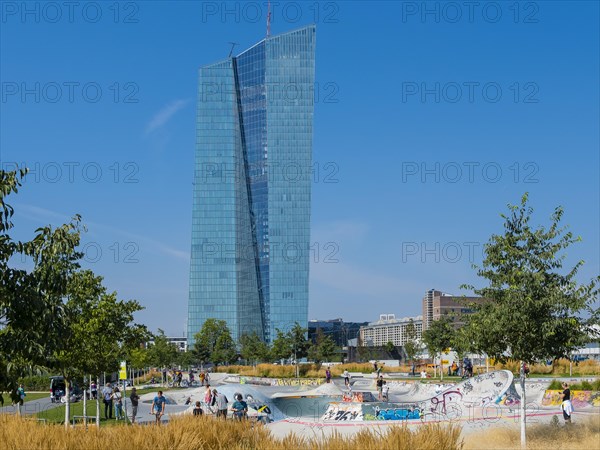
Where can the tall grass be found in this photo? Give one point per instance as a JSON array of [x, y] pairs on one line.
[[193, 433], [584, 435], [305, 370], [557, 368]]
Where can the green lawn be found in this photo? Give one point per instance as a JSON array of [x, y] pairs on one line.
[[36, 396], [57, 414]]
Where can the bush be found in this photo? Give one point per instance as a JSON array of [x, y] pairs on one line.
[[555, 385], [36, 383]]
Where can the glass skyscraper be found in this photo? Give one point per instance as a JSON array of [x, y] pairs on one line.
[[252, 181]]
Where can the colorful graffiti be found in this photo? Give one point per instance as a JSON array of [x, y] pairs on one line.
[[343, 412], [353, 397], [259, 381], [397, 414], [579, 399]]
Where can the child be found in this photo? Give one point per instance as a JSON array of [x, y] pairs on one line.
[[198, 409]]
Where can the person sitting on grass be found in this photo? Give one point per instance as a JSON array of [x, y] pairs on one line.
[[198, 409]]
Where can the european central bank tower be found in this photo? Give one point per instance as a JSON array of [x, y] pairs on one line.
[[252, 183]]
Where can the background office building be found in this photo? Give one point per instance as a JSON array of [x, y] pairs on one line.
[[338, 330], [437, 304], [389, 329], [252, 183]]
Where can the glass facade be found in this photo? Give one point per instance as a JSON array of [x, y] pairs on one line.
[[251, 202]]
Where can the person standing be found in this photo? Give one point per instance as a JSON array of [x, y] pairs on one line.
[[380, 388], [385, 391], [158, 406], [134, 398], [566, 405], [221, 403], [328, 375], [208, 399], [118, 402], [21, 397], [108, 403], [346, 377], [94, 390]]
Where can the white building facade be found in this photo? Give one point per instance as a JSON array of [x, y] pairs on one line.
[[389, 329]]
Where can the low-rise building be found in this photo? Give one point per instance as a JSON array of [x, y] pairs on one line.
[[179, 342], [389, 329]]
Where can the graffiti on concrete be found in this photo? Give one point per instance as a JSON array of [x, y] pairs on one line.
[[260, 381], [579, 399], [343, 412]]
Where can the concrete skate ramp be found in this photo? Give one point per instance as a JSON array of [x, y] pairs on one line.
[[327, 389], [403, 390], [482, 390]]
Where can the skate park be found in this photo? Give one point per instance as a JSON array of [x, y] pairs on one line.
[[286, 406]]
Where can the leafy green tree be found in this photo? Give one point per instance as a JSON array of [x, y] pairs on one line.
[[31, 301], [214, 343], [162, 353], [253, 349], [411, 345], [537, 309], [438, 338], [138, 358], [55, 315], [299, 342], [281, 348], [390, 347], [225, 350], [323, 349], [186, 359], [97, 333]]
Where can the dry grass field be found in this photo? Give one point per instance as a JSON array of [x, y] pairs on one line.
[[581, 435], [192, 433], [558, 368]]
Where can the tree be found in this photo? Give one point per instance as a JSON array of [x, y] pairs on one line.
[[282, 346], [253, 348], [390, 347], [186, 359], [214, 343], [31, 301], [97, 332], [298, 341], [138, 358], [537, 309], [49, 314], [438, 337], [411, 346], [162, 353], [323, 349]]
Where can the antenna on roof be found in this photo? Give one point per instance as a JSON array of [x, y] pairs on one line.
[[233, 44], [269, 18]]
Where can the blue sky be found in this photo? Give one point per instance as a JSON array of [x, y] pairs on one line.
[[426, 125]]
